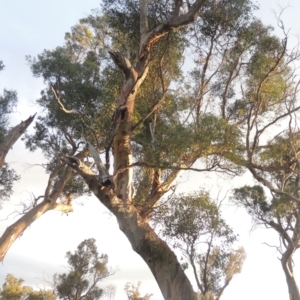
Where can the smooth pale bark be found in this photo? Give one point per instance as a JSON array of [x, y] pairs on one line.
[[121, 145], [13, 135]]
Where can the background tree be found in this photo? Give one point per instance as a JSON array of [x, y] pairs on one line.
[[87, 268], [281, 214], [13, 289], [117, 92], [133, 293], [194, 225], [271, 153]]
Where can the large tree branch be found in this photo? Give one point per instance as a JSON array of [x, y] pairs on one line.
[[17, 229], [144, 16], [123, 64], [13, 135], [151, 37], [49, 203]]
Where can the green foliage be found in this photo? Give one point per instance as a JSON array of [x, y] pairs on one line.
[[87, 268], [12, 288], [267, 73], [124, 19], [225, 17], [8, 101], [279, 151], [266, 211], [7, 178], [41, 295], [254, 200]]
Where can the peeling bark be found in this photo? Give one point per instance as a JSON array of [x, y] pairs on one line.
[[13, 135]]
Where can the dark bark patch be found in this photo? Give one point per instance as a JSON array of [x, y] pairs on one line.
[[123, 112]]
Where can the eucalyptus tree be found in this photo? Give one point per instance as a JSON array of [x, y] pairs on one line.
[[193, 225], [118, 91]]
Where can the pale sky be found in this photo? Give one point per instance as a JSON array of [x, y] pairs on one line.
[[27, 28]]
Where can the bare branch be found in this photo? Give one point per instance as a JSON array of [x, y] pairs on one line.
[[149, 38], [57, 97], [122, 63], [100, 166]]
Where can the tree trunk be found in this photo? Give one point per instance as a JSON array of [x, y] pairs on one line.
[[161, 260], [163, 263], [286, 262], [293, 287], [12, 136]]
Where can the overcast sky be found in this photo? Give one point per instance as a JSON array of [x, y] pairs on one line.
[[27, 28]]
